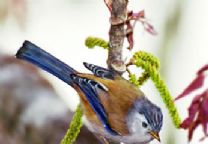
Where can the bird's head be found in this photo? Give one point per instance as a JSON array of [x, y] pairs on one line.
[[145, 119]]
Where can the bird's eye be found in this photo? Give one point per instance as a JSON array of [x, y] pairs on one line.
[[144, 124]]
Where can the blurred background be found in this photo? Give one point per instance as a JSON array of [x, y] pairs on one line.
[[36, 107]]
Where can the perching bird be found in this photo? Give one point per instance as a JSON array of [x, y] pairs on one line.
[[114, 108]]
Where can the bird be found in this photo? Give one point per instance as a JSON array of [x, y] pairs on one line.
[[114, 108]]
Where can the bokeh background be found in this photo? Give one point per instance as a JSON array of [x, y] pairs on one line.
[[36, 107]]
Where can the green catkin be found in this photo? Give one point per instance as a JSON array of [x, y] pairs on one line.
[[133, 80], [140, 81], [144, 56], [74, 128], [150, 64], [91, 42]]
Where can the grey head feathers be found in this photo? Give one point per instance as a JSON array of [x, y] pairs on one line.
[[151, 112]]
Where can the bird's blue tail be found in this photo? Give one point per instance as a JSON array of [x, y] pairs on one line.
[[35, 55]]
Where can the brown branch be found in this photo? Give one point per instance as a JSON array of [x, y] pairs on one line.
[[117, 35]]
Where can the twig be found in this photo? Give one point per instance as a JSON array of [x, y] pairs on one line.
[[117, 35]]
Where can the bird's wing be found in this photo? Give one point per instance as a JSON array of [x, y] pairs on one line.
[[89, 88], [100, 71]]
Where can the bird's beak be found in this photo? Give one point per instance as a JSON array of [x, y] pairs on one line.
[[155, 135]]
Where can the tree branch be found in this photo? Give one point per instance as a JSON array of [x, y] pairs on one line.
[[117, 35]]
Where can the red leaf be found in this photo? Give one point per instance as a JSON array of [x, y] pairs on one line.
[[204, 68], [198, 114], [195, 84], [192, 127], [203, 114], [149, 28], [139, 16], [109, 4], [193, 108], [130, 40], [198, 110], [129, 35], [136, 16]]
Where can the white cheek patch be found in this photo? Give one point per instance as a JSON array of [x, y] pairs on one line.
[[138, 134], [134, 122]]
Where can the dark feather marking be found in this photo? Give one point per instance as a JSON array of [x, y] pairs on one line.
[[100, 71]]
